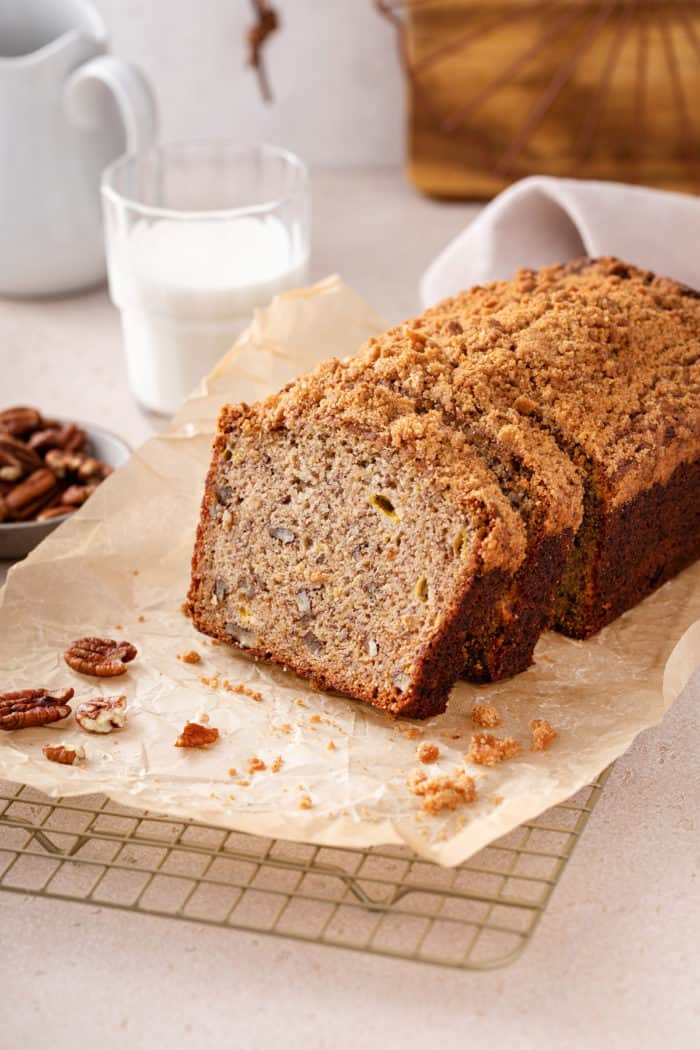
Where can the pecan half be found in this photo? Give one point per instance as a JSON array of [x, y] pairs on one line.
[[73, 438], [63, 754], [102, 715], [25, 499], [102, 657], [195, 735], [33, 707], [20, 420], [76, 495], [20, 452]]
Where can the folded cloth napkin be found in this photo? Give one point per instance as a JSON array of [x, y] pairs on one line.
[[542, 220]]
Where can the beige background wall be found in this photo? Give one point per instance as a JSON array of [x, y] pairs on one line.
[[338, 89]]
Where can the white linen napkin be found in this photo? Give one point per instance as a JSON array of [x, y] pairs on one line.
[[543, 220]]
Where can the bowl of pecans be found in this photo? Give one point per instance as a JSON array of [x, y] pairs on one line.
[[48, 469]]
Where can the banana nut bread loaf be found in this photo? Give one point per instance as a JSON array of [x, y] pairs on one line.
[[546, 429], [605, 358], [351, 540]]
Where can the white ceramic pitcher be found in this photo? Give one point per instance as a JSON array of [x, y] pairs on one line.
[[66, 110]]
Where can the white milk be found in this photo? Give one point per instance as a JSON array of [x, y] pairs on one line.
[[187, 289]]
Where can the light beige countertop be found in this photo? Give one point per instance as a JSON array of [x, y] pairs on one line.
[[616, 960]]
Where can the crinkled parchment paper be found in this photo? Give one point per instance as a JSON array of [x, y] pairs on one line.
[[120, 568]]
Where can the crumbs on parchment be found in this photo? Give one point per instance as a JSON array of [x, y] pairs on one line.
[[277, 764], [446, 792], [305, 802], [190, 657], [489, 750], [486, 716], [427, 753], [331, 746], [542, 734], [256, 765]]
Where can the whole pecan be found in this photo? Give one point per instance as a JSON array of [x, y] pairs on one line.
[[19, 420], [25, 499], [63, 754], [102, 657], [33, 707], [102, 715], [196, 735]]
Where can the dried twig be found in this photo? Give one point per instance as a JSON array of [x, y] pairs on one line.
[[267, 21]]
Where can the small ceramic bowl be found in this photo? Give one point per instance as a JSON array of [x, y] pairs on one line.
[[18, 538]]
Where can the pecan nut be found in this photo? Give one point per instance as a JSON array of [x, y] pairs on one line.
[[102, 715], [33, 707], [20, 420], [196, 735], [76, 495], [63, 754], [25, 499], [102, 657], [14, 451]]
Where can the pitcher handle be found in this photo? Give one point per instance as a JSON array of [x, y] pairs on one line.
[[130, 90]]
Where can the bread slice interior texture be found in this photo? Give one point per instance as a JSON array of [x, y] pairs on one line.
[[354, 542]]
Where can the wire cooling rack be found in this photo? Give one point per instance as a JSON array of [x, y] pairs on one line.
[[385, 901]]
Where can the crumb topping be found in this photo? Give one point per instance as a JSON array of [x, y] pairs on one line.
[[190, 657], [542, 734], [427, 753], [489, 750], [446, 792], [486, 716]]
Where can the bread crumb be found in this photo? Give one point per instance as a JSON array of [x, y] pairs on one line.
[[242, 690], [277, 764], [285, 727], [542, 734], [331, 746], [185, 610], [489, 750], [427, 752], [142, 619], [444, 792], [315, 718], [305, 802], [195, 735], [410, 732], [203, 717], [190, 657], [256, 765], [233, 772], [212, 682], [486, 716], [118, 627], [134, 572], [232, 798], [299, 702], [243, 783]]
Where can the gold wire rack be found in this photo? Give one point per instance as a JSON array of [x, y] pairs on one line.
[[385, 901]]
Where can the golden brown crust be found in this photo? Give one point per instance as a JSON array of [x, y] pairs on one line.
[[609, 354]]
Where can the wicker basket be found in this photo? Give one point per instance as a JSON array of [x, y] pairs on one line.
[[599, 89]]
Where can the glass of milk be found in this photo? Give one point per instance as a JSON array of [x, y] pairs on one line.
[[198, 235]]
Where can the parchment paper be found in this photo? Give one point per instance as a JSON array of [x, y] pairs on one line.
[[120, 568]]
